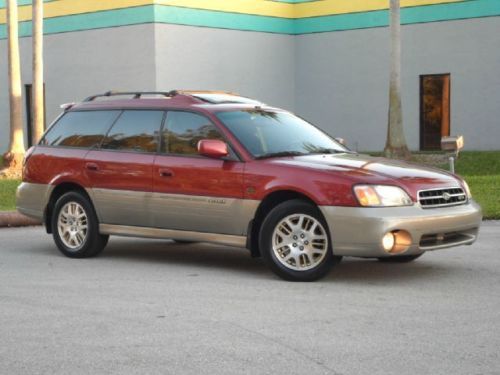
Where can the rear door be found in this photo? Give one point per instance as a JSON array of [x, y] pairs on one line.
[[121, 170], [60, 155], [194, 192]]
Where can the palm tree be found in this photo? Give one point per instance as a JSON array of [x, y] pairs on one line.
[[13, 157], [37, 92], [395, 146]]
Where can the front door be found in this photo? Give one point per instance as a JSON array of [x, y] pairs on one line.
[[434, 110], [193, 192]]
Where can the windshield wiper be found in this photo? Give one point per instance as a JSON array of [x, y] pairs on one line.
[[280, 153]]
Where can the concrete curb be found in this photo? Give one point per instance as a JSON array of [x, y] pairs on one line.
[[15, 219]]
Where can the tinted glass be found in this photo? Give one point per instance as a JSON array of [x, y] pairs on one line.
[[266, 133], [135, 131], [184, 130], [80, 129]]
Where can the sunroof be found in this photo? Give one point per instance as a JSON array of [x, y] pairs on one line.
[[216, 98]]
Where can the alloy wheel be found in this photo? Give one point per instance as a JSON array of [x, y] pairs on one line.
[[299, 242]]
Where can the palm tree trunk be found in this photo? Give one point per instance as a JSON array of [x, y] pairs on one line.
[[37, 92], [395, 146], [13, 157]]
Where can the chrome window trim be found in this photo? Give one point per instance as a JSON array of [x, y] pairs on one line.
[[121, 110]]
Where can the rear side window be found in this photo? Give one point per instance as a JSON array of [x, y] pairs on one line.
[[135, 131], [80, 129], [183, 131]]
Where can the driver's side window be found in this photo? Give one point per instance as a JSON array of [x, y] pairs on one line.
[[183, 130]]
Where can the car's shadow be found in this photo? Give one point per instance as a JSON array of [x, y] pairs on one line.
[[202, 255]]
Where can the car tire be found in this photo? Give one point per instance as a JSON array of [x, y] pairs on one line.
[[295, 242], [400, 258], [76, 228]]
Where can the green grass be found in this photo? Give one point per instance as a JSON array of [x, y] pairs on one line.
[[8, 194], [486, 191], [481, 170], [478, 163]]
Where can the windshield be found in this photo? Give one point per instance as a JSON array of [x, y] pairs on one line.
[[268, 134]]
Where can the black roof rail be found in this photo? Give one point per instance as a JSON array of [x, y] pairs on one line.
[[136, 94]]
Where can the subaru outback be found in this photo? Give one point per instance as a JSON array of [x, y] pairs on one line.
[[218, 167]]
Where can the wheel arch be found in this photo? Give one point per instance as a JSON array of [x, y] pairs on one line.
[[57, 192], [266, 205]]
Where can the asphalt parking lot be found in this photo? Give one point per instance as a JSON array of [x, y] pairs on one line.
[[158, 307]]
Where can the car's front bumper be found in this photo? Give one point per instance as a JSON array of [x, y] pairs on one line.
[[358, 231]]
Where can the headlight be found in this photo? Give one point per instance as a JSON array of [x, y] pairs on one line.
[[467, 189], [381, 196]]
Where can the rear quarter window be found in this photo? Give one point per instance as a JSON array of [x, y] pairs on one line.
[[80, 129]]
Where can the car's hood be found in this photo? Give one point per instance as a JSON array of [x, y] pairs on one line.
[[364, 167]]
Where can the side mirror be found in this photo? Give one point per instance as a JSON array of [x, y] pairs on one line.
[[213, 148]]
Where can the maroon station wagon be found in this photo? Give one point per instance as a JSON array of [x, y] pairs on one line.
[[221, 168]]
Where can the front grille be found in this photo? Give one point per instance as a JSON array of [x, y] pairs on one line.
[[441, 197]]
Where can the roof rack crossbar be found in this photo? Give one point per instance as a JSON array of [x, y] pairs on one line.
[[136, 94]]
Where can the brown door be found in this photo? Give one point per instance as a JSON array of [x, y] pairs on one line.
[[434, 110]]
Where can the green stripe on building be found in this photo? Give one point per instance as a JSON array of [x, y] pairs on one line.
[[421, 14], [89, 21], [235, 21], [159, 14]]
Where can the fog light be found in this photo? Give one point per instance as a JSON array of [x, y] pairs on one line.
[[388, 241]]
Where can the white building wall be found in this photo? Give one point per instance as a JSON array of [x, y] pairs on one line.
[[337, 80], [255, 64], [342, 80]]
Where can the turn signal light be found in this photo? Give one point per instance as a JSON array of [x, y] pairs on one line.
[[367, 195]]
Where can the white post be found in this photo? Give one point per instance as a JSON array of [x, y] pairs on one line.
[[451, 159]]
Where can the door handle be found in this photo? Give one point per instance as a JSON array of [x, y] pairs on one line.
[[164, 172], [92, 166]]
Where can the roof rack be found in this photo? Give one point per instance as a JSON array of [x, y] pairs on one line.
[[136, 94], [211, 97]]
